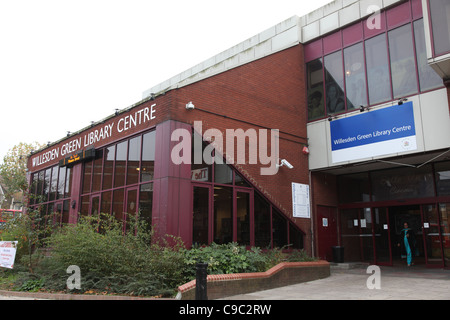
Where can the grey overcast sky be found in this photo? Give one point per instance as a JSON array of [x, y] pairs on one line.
[[66, 63]]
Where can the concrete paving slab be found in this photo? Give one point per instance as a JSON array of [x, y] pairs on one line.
[[350, 283]]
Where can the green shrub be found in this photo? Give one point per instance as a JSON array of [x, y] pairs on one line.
[[109, 258], [232, 258], [132, 262]]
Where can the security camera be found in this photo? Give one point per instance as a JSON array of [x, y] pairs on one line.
[[287, 164], [190, 106], [284, 162]]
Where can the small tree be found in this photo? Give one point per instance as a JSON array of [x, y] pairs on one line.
[[30, 231], [13, 168]]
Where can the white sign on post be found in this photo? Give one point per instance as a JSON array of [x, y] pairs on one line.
[[300, 200], [7, 253]]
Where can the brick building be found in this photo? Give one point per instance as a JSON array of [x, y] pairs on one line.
[[352, 97]]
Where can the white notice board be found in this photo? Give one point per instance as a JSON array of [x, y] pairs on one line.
[[7, 253], [300, 200]]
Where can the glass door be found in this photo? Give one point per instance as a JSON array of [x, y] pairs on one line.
[[432, 236], [131, 205], [244, 217], [350, 234], [382, 238], [201, 209], [95, 205], [444, 209], [366, 234], [56, 211]]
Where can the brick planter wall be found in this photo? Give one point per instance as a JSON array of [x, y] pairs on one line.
[[283, 274]]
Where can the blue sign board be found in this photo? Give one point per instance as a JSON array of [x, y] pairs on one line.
[[374, 133]]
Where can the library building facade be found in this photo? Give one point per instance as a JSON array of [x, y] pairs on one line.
[[327, 131]]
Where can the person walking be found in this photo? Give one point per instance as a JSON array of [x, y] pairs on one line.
[[407, 243]]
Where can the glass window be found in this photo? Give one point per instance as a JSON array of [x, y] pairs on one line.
[[131, 207], [378, 69], [66, 212], [121, 161], [243, 217], [118, 200], [442, 178], [222, 172], [440, 22], [69, 175], [334, 83], [146, 203], [85, 201], [295, 237], [200, 170], [54, 183], [262, 222], [105, 206], [134, 157], [428, 78], [110, 156], [61, 182], [403, 66], [402, 183], [279, 225], [355, 76], [47, 182], [354, 188], [148, 156], [315, 90], [200, 216], [97, 173], [40, 185], [87, 177], [223, 214], [239, 181], [33, 188]]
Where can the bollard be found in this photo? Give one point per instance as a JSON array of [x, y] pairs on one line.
[[200, 282]]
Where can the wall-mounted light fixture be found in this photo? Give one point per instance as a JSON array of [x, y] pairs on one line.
[[400, 101], [331, 117], [362, 108], [190, 106]]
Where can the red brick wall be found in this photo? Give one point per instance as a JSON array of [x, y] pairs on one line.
[[269, 92]]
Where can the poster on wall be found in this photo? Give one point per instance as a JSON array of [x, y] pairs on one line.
[[300, 200], [7, 253], [373, 133]]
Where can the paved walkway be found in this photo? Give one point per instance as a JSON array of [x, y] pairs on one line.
[[345, 283], [396, 283]]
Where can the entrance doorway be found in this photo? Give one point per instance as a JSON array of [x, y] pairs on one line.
[[374, 234], [327, 231], [425, 224], [411, 215]]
